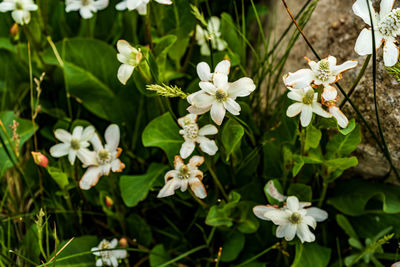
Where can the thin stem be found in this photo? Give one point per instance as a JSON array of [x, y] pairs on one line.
[[258, 255], [215, 177], [31, 96], [183, 255], [323, 193]]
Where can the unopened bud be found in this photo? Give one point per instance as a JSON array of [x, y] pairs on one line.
[[40, 159], [14, 29], [123, 242], [109, 201]]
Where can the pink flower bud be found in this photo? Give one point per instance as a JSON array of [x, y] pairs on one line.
[[14, 29], [40, 159], [123, 242], [109, 201]]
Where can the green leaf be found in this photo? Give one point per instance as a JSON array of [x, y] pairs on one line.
[[58, 176], [91, 73], [351, 197], [139, 229], [311, 254], [25, 131], [313, 137], [341, 163], [163, 132], [134, 188], [247, 222], [220, 215], [231, 136], [233, 245], [273, 191], [349, 128], [301, 191], [78, 245], [158, 256], [161, 50], [230, 35], [342, 145], [344, 223]]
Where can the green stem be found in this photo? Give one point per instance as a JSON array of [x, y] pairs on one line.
[[215, 177], [323, 193], [257, 256], [183, 255]]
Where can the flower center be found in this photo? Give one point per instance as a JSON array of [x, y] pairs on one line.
[[295, 218], [75, 145], [191, 130], [220, 95], [104, 156], [308, 97], [184, 172], [323, 71], [105, 245], [85, 2], [19, 6], [390, 25]]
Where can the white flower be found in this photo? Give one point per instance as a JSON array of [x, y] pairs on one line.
[[292, 219], [204, 70], [73, 145], [386, 29], [306, 105], [20, 9], [139, 5], [86, 7], [130, 58], [184, 175], [219, 95], [324, 72], [212, 34], [104, 159], [329, 98], [109, 257], [192, 135]]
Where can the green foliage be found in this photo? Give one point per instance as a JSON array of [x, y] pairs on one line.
[[231, 135]]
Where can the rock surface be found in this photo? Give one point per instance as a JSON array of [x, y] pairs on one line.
[[333, 30]]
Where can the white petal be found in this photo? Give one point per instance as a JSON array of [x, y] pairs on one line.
[[112, 137], [96, 142], [204, 72], [260, 211], [63, 135], [120, 253], [310, 221], [88, 133], [360, 8], [124, 48], [87, 157], [6, 6], [364, 42], [294, 109], [114, 262], [90, 178], [73, 6], [232, 106], [344, 67], [30, 7], [223, 67], [133, 4], [191, 117], [292, 203], [59, 150], [296, 95], [193, 95], [85, 12], [339, 116], [242, 87], [386, 7], [390, 53], [195, 161], [197, 110], [317, 109], [121, 6], [117, 165], [203, 100], [207, 146], [318, 214], [178, 162], [197, 187], [187, 149], [221, 81], [169, 188], [77, 132], [332, 61], [208, 87], [99, 262], [124, 73], [100, 4], [299, 79], [21, 16], [165, 2], [277, 216], [329, 93], [287, 231], [304, 233], [208, 129], [72, 156], [217, 112], [142, 9]]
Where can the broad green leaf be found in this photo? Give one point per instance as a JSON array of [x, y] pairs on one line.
[[342, 145], [247, 221], [351, 197], [344, 223], [91, 73], [313, 137], [349, 128], [58, 176], [78, 245], [25, 131], [311, 254], [139, 229], [341, 163], [230, 35], [301, 191], [161, 51], [158, 256], [233, 245], [134, 188], [221, 215], [231, 136], [163, 132]]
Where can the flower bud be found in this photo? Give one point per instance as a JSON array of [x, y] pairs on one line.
[[109, 201], [123, 242], [40, 159], [14, 29]]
